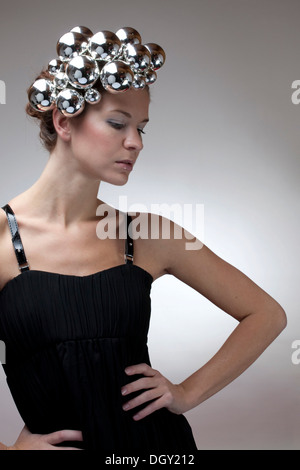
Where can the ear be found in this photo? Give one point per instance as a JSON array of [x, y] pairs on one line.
[[62, 125]]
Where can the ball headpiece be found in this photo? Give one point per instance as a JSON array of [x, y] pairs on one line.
[[118, 60]]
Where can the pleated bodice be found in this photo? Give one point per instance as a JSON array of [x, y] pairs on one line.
[[68, 340]]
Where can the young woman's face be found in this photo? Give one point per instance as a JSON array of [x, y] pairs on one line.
[[108, 133]]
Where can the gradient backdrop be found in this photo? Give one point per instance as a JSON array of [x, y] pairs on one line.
[[224, 133]]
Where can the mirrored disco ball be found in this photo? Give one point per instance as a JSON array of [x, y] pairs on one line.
[[40, 95]]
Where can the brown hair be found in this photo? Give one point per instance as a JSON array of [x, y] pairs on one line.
[[48, 133]]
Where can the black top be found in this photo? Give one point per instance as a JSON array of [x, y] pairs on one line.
[[68, 340]]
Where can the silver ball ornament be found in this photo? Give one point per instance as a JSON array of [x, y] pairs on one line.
[[55, 66], [116, 76], [70, 45], [69, 102], [92, 96], [158, 55], [40, 95], [82, 72], [82, 30], [151, 77], [60, 80], [138, 56], [104, 45], [119, 59], [139, 82], [129, 36]]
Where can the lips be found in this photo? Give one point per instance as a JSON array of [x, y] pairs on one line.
[[125, 164], [130, 162]]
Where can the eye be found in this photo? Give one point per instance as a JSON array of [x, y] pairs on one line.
[[116, 125], [141, 131]]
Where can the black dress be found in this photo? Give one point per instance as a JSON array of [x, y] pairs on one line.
[[68, 340]]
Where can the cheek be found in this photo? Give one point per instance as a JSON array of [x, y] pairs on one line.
[[96, 139]]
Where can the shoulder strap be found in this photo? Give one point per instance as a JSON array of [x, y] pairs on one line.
[[128, 244], [16, 239], [19, 249]]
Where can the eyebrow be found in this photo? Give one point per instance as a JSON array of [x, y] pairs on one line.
[[127, 114]]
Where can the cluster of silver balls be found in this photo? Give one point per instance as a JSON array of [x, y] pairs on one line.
[[118, 60]]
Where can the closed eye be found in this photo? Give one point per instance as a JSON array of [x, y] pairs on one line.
[[120, 126], [116, 125]]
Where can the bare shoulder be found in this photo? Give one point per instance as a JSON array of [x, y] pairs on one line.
[[156, 239], [3, 225], [5, 238], [173, 250]]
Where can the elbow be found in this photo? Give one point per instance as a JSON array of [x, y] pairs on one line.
[[274, 318], [279, 319], [284, 319]]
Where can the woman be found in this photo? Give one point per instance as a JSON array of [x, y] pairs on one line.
[[75, 320]]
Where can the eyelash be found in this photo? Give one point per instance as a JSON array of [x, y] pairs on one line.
[[119, 127]]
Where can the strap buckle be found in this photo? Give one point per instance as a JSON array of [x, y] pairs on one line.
[[128, 258], [24, 267]]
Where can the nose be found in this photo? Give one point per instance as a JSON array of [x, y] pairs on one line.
[[133, 141]]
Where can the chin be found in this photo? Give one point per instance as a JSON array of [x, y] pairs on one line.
[[118, 181]]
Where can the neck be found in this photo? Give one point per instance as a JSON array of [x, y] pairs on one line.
[[62, 194]]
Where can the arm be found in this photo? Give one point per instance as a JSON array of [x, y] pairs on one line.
[[260, 317]]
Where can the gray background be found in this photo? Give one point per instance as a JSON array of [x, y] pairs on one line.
[[223, 133]]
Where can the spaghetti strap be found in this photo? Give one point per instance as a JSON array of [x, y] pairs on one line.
[[129, 243], [20, 252], [16, 238]]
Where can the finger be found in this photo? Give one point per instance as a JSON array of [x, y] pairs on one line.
[[154, 406], [140, 384], [64, 435], [140, 369], [141, 399], [65, 448]]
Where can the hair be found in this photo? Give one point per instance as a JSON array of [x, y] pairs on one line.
[[48, 135]]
